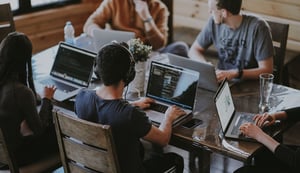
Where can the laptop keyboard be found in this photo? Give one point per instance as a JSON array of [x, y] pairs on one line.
[[249, 118], [158, 107], [244, 119], [59, 85]]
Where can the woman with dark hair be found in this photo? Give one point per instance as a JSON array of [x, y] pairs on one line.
[[29, 133]]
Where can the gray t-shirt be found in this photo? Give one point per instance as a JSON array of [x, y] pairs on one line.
[[240, 48]]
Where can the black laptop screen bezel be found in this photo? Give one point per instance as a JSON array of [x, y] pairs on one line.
[[89, 54], [219, 91], [185, 106]]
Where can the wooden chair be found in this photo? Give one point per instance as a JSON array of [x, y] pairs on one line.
[[85, 146], [7, 24], [7, 157], [279, 33], [169, 4], [291, 72]]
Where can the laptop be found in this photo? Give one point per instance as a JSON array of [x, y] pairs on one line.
[[104, 36], [170, 85], [71, 71], [230, 119], [207, 80]]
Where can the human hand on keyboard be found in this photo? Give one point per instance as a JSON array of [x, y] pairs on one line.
[[251, 130], [173, 112], [48, 92], [265, 119], [143, 102]]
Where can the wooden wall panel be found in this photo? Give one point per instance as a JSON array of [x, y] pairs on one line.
[[45, 28], [194, 9], [292, 2], [272, 8]]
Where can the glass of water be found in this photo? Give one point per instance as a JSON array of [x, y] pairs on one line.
[[266, 85]]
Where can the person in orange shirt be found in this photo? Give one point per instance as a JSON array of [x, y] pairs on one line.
[[148, 19]]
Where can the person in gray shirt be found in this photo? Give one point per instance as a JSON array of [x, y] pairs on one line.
[[243, 42]]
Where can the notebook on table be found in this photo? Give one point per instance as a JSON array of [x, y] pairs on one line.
[[104, 36], [71, 71], [229, 118], [207, 80], [170, 85]]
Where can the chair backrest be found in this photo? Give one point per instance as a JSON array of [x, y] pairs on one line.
[[6, 154], [7, 157], [7, 24], [85, 146], [279, 33], [169, 4]]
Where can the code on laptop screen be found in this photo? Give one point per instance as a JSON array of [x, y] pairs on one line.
[[74, 65], [172, 84]]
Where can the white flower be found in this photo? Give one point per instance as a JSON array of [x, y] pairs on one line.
[[139, 50]]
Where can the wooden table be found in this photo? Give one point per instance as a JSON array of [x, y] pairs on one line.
[[246, 99]]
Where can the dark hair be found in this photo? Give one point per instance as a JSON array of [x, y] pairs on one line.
[[234, 6], [113, 63], [15, 59]]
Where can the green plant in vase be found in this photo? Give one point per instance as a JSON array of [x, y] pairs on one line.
[[139, 50], [140, 53]]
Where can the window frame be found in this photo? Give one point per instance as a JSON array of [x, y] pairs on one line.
[[25, 6]]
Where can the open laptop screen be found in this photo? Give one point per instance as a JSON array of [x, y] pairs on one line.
[[73, 64], [105, 36], [224, 104], [207, 80], [172, 84]]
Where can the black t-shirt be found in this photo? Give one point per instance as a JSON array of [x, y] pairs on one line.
[[286, 154], [18, 103], [128, 124]]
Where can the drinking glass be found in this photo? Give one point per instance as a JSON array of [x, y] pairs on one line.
[[266, 85], [199, 133]]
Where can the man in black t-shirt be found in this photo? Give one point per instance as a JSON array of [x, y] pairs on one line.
[[115, 66]]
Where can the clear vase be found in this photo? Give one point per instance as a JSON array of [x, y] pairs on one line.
[[137, 86]]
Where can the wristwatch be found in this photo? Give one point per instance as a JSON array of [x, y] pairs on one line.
[[149, 19], [240, 73]]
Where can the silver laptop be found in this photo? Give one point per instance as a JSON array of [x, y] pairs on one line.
[[170, 85], [71, 71], [207, 80], [229, 118], [104, 36]]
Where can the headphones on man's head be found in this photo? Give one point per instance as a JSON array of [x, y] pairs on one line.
[[129, 76], [131, 71]]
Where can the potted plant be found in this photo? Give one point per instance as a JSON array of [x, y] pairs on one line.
[[139, 50], [140, 53]]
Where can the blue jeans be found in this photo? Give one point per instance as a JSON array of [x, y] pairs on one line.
[[178, 48]]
